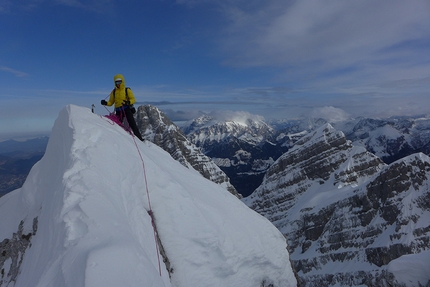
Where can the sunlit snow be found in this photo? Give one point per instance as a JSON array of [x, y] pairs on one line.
[[91, 201]]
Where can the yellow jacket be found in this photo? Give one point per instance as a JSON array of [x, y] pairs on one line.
[[118, 95]]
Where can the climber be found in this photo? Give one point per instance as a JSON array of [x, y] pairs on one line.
[[123, 98]]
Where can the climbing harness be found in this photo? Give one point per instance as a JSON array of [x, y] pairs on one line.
[[118, 119]]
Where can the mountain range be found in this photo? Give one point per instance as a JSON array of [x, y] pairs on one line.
[[104, 209], [351, 197], [242, 149], [390, 139], [16, 160], [238, 152], [352, 215], [350, 219], [245, 149]]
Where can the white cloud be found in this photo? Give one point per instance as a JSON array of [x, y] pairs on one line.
[[337, 50], [330, 114], [334, 32], [236, 116], [13, 71]]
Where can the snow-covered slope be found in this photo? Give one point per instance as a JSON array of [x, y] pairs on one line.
[[350, 219], [81, 219]]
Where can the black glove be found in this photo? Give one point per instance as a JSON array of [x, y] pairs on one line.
[[126, 103], [103, 102]]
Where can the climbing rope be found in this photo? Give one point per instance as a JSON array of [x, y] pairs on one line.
[[150, 212], [112, 116]]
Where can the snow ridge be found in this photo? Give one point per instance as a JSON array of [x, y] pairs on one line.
[[93, 229]]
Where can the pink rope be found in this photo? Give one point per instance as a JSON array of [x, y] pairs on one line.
[[149, 204], [116, 120]]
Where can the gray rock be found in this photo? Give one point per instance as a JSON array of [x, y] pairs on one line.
[[346, 215], [155, 126]]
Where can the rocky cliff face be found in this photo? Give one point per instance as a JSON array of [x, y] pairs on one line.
[[13, 250], [244, 149], [347, 216], [158, 128], [390, 139]]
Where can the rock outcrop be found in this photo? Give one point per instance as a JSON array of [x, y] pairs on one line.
[[243, 148], [345, 213], [159, 129]]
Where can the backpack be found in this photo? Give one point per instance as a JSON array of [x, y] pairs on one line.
[[132, 108]]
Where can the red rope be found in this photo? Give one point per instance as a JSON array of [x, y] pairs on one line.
[[112, 117], [116, 120], [149, 204]]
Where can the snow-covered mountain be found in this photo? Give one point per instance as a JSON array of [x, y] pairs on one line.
[[155, 126], [390, 139], [350, 219], [242, 149], [245, 149], [83, 218]]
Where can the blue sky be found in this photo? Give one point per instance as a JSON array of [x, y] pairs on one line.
[[275, 59]]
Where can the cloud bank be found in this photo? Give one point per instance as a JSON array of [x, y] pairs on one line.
[[330, 114], [326, 34], [367, 57]]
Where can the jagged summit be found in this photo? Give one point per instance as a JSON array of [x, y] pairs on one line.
[[206, 131], [159, 129], [391, 139], [81, 218], [322, 158], [350, 219], [240, 145], [234, 122]]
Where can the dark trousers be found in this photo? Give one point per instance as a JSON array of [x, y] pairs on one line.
[[125, 111]]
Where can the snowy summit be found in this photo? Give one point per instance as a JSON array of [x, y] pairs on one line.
[[82, 219]]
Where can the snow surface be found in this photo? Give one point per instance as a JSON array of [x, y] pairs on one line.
[[417, 273], [91, 199]]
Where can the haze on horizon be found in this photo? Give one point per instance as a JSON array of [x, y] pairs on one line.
[[275, 59]]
